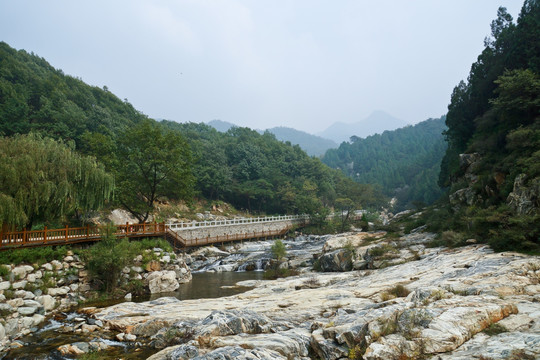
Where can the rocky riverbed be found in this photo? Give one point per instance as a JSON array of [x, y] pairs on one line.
[[32, 294], [408, 301], [380, 297]]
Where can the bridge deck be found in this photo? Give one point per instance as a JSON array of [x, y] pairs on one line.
[[68, 235]]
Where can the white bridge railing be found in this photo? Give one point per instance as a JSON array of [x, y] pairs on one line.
[[241, 221]]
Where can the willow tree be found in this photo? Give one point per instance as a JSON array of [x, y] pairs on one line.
[[44, 180]]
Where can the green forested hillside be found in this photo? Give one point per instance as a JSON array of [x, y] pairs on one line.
[[152, 160], [405, 162], [313, 145], [257, 172], [34, 96], [494, 123], [511, 47]]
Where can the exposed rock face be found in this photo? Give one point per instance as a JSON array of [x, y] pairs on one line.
[[525, 198], [233, 322], [121, 216], [162, 281], [467, 196], [455, 294], [468, 161], [338, 260]]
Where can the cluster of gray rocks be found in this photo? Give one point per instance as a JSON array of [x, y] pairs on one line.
[[31, 293], [451, 296], [28, 293], [378, 298]]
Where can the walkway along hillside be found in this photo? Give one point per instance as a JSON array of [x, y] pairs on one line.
[[181, 235]]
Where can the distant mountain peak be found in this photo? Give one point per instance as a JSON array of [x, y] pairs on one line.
[[377, 122], [312, 144], [220, 125]]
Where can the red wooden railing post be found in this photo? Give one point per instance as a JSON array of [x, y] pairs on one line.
[[127, 228], [66, 233], [45, 235], [24, 236], [87, 231]]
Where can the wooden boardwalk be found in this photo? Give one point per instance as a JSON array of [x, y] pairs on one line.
[[73, 235]]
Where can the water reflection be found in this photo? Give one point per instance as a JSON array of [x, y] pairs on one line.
[[207, 285], [42, 344]]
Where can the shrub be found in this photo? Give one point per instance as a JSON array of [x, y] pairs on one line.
[[399, 291], [495, 329], [135, 286], [107, 258], [33, 255], [148, 243], [276, 273], [4, 270], [451, 239], [317, 265], [278, 250], [350, 249]]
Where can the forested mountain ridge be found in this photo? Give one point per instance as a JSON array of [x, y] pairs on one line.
[[311, 144], [34, 96], [405, 162], [492, 165], [151, 160], [260, 173]]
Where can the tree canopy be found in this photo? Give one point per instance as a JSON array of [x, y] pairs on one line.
[[42, 179], [404, 162], [496, 115], [510, 47], [152, 162]]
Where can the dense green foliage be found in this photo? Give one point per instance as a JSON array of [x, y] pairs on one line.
[[278, 250], [405, 162], [106, 259], [33, 255], [511, 47], [153, 161], [496, 114], [36, 97], [41, 180], [258, 173]]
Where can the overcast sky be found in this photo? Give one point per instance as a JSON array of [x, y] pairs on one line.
[[297, 63]]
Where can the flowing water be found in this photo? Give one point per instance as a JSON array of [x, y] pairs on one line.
[[56, 332]]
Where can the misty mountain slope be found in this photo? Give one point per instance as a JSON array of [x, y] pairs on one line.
[[405, 162], [311, 144], [220, 125], [375, 123]]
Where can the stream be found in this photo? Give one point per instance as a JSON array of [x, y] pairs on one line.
[[213, 277], [58, 331]]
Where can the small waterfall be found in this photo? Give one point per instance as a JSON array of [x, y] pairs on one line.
[[259, 265]]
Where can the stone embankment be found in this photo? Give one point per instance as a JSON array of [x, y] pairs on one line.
[[405, 301], [30, 294]]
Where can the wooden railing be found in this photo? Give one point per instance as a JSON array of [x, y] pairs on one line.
[[70, 235]]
